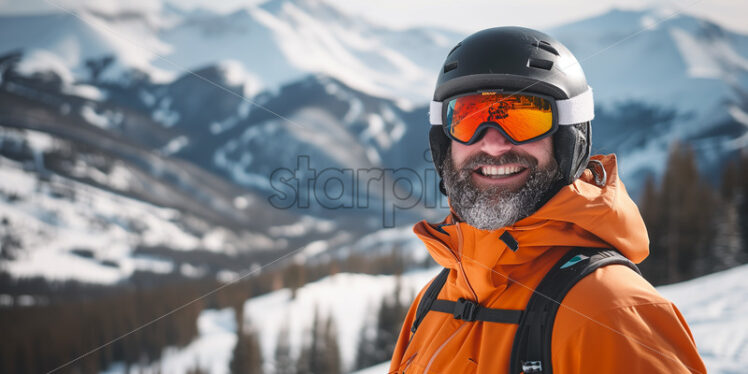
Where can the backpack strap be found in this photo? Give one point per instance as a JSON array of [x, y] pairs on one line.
[[466, 310], [428, 298], [531, 351], [469, 311]]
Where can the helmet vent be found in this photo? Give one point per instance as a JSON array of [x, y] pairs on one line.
[[450, 66], [539, 63], [546, 47]]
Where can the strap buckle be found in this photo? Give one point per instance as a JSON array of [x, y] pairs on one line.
[[465, 310]]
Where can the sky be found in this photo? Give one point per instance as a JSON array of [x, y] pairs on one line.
[[465, 16]]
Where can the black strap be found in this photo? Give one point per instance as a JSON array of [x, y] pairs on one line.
[[428, 297], [461, 309], [470, 311], [531, 351]]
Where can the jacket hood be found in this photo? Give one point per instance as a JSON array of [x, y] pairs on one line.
[[581, 214]]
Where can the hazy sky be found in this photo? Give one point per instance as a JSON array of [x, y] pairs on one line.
[[466, 16]]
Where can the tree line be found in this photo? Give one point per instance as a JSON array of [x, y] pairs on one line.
[[320, 351], [696, 225], [83, 328]]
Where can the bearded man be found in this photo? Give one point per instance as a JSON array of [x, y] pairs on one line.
[[541, 240]]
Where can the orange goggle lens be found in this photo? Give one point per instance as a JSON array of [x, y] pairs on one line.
[[521, 117]]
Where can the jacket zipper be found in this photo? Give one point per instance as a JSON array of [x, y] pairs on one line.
[[459, 263], [433, 357], [464, 275]]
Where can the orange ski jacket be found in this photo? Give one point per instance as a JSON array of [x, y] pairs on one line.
[[612, 321]]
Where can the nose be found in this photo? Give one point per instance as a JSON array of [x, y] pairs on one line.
[[494, 142]]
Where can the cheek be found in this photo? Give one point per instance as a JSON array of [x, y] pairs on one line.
[[459, 152], [542, 150]]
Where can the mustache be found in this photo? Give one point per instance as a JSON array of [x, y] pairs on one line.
[[511, 157]]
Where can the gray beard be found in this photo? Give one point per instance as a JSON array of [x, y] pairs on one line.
[[491, 208]]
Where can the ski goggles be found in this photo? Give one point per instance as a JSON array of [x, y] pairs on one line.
[[521, 117]]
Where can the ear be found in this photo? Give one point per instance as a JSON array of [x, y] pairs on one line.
[[571, 147]]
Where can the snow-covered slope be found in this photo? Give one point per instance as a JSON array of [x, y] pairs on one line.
[[65, 229], [714, 307], [274, 43], [80, 216]]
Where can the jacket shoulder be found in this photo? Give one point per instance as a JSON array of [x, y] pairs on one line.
[[615, 321]]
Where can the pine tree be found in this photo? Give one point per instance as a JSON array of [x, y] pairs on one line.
[[247, 357], [687, 214], [330, 351], [694, 229], [735, 191], [376, 345], [650, 207], [366, 352], [320, 352], [295, 277], [308, 355], [727, 251], [283, 361]]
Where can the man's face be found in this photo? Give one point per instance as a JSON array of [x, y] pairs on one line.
[[493, 183]]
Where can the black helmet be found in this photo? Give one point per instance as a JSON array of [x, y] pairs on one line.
[[525, 60]]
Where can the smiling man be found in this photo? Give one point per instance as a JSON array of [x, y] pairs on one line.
[[540, 244]]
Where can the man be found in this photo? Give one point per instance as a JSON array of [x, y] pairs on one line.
[[511, 142]]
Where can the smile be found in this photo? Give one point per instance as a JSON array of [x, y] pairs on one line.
[[499, 171]]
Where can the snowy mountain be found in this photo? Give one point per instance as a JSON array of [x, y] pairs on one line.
[[200, 111], [174, 142], [277, 42], [713, 306], [659, 79]]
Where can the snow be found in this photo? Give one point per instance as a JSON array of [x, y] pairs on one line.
[[236, 75], [707, 58], [312, 249], [376, 369], [175, 145], [164, 114], [95, 118], [45, 61], [261, 47], [715, 308], [64, 42], [738, 114], [305, 225], [54, 218], [211, 350], [215, 240], [85, 91], [349, 298]]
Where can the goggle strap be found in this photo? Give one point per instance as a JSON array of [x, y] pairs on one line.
[[435, 113], [578, 109]]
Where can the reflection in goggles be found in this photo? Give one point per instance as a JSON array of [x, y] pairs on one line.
[[522, 117]]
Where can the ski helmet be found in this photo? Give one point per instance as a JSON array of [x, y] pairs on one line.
[[525, 60]]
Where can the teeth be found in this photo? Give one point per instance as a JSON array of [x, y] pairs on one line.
[[497, 171]]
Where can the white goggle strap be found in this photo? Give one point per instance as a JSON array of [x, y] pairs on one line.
[[578, 109], [435, 113]]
